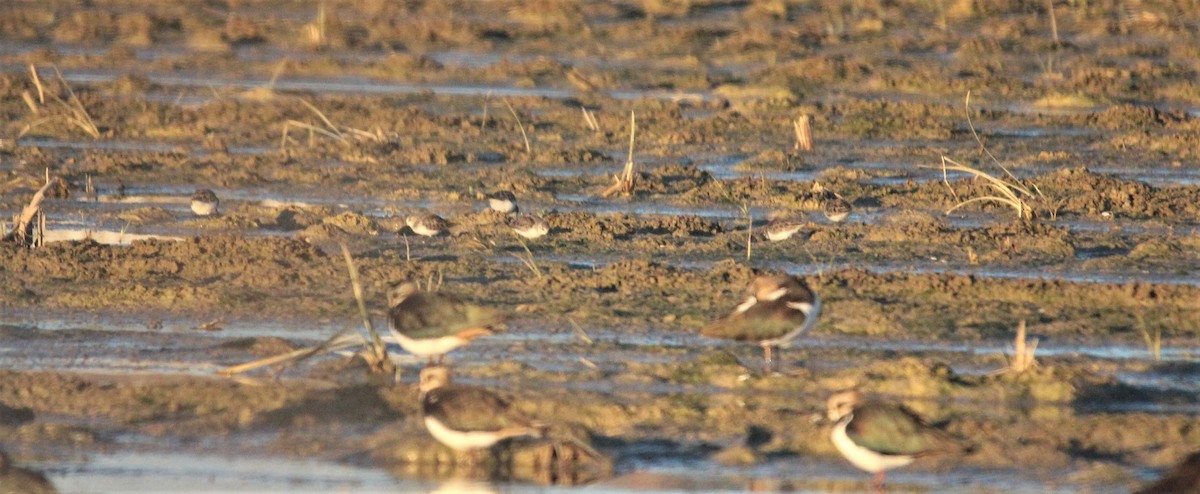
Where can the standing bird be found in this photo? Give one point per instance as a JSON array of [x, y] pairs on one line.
[[467, 418], [530, 226], [205, 202], [877, 437], [502, 201], [433, 324], [778, 308], [427, 224], [19, 480], [1183, 479], [836, 209], [782, 228]]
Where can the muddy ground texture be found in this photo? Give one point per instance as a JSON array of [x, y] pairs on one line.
[[426, 105]]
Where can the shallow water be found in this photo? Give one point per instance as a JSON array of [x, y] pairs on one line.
[[148, 344], [162, 471]]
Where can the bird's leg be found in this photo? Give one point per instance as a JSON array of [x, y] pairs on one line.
[[768, 361], [877, 482]]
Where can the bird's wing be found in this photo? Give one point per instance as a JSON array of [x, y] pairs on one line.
[[466, 408], [895, 430], [761, 321], [425, 315]]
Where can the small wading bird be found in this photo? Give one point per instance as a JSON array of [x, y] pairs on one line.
[[836, 209], [467, 418], [530, 226], [778, 308], [782, 228], [877, 437], [432, 324], [502, 201], [205, 202], [427, 224]]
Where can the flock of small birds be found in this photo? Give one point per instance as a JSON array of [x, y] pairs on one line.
[[778, 308], [781, 226], [874, 436], [527, 225]]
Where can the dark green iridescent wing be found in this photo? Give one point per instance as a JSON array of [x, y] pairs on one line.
[[431, 315], [894, 430], [763, 321], [465, 408]]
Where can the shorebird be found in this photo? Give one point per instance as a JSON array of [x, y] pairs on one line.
[[467, 418], [836, 209], [427, 224], [782, 228], [530, 226], [432, 324], [503, 201], [205, 202], [778, 308], [14, 479], [877, 437], [1183, 479]]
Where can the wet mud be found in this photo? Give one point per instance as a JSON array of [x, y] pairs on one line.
[[326, 125]]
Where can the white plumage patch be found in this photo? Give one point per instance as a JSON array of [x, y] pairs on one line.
[[811, 313], [776, 235], [773, 296], [745, 306], [460, 440], [861, 457], [803, 307], [420, 229], [429, 346], [533, 231], [502, 205], [202, 208]]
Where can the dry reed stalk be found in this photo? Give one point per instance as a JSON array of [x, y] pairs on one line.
[[72, 110], [316, 29], [340, 341], [340, 134], [1023, 353], [1153, 343], [25, 231], [378, 360], [580, 332], [1011, 193], [1053, 21], [1023, 350], [749, 228], [376, 351], [528, 148], [528, 259], [625, 183], [37, 82], [803, 129], [589, 118]]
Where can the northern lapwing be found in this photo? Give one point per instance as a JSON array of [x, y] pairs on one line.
[[466, 418], [432, 324], [877, 437], [777, 309]]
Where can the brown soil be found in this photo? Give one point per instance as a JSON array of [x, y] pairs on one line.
[[188, 105]]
